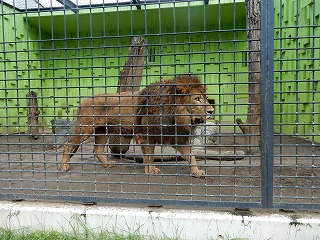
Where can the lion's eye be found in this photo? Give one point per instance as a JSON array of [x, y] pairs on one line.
[[198, 99]]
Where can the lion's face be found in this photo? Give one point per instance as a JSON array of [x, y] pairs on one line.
[[199, 108]]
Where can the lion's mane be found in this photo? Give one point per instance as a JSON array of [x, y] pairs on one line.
[[162, 114]]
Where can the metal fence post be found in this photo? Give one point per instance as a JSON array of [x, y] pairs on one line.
[[267, 100]]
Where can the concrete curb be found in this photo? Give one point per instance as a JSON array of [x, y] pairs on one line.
[[159, 223]]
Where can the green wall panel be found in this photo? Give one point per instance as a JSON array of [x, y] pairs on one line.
[[72, 56], [297, 73], [17, 68]]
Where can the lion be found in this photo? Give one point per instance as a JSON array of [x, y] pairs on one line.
[[171, 108], [168, 113], [102, 114]]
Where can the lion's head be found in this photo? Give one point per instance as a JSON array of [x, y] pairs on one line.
[[193, 99], [172, 107]]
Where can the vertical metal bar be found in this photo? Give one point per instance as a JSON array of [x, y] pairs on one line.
[[267, 99], [2, 51], [313, 99], [298, 88]]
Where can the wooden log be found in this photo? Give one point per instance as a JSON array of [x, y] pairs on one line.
[[251, 128], [131, 74], [129, 80], [32, 115]]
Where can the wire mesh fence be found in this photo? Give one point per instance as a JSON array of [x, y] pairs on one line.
[[112, 101]]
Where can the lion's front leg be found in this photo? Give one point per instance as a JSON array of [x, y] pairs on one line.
[[186, 154], [148, 159], [70, 148]]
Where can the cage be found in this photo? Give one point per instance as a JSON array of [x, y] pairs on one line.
[[56, 54]]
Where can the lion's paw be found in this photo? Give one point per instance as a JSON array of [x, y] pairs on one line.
[[198, 173], [64, 167], [152, 170], [111, 164]]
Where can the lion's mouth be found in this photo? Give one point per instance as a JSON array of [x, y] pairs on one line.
[[198, 121]]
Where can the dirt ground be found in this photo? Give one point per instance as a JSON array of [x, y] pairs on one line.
[[28, 170]]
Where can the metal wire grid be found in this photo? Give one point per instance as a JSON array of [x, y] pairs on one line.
[[69, 61], [296, 103]]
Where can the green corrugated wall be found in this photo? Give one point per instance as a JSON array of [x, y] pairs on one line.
[[64, 64], [63, 56], [17, 66], [297, 55]]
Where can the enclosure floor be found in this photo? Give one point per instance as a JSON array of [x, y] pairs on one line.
[[29, 170]]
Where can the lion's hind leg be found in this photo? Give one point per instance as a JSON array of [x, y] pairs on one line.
[[148, 159], [99, 146], [186, 154]]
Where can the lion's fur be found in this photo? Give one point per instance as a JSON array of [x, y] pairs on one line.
[[108, 110], [164, 112], [112, 112]]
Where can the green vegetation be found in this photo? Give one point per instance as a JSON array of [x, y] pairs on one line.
[[78, 230], [26, 234]]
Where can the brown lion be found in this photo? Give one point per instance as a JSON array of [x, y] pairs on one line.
[[168, 113], [165, 112], [112, 113]]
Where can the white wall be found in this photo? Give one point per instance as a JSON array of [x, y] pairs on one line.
[[159, 222]]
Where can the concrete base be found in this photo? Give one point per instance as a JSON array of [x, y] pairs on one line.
[[159, 223]]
